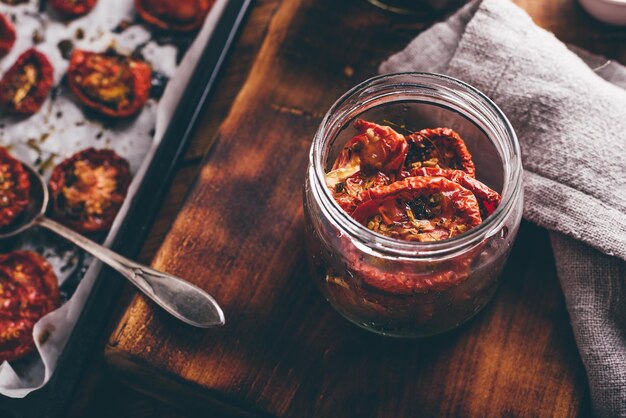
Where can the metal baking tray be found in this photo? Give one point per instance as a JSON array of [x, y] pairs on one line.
[[53, 399]]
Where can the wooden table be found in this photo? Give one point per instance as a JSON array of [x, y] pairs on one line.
[[553, 384]]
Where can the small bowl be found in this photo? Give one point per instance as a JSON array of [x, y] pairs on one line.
[[612, 12]]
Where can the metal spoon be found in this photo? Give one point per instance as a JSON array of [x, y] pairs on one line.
[[185, 301]]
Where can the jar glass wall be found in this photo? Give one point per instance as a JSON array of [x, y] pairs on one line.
[[457, 276]]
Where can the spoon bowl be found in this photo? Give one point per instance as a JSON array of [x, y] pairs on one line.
[[37, 204]]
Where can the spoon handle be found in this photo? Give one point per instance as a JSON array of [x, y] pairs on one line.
[[182, 299]]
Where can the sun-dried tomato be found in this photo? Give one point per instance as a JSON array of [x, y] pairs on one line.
[[7, 35], [72, 8], [88, 189], [28, 291], [437, 277], [26, 85], [372, 158], [376, 148], [14, 188], [419, 188], [488, 199], [438, 148], [112, 84], [419, 209], [180, 15], [348, 193]]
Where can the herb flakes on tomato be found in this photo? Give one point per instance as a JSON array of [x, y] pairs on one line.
[[72, 8], [375, 148], [114, 85], [488, 199], [419, 209], [28, 291], [7, 35], [88, 189], [372, 158], [348, 193], [26, 85], [14, 188], [180, 15], [438, 148]]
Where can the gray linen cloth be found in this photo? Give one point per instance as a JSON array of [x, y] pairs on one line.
[[571, 123]]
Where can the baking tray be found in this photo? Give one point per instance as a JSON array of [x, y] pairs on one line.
[[53, 399]]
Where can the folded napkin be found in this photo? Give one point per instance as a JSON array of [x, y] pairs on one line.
[[571, 123]]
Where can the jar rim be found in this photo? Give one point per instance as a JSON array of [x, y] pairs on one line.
[[368, 239]]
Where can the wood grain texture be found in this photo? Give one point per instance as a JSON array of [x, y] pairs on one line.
[[100, 394], [284, 351]]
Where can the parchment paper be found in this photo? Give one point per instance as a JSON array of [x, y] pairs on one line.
[[62, 128]]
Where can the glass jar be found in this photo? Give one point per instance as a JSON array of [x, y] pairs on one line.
[[458, 276]]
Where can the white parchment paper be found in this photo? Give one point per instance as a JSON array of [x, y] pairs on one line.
[[61, 128]]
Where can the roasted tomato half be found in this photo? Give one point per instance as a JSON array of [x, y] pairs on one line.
[[26, 84], [179, 15], [488, 199], [14, 188], [419, 209], [28, 291], [372, 158], [87, 189], [71, 8], [7, 35], [112, 84], [438, 148]]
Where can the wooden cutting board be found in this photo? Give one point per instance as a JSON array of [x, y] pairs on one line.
[[284, 352]]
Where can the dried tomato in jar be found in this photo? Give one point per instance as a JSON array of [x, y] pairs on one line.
[[28, 291], [488, 199], [419, 209], [394, 185], [438, 148], [26, 85], [88, 189], [111, 84], [372, 158]]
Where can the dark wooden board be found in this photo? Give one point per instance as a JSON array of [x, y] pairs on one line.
[[284, 352]]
